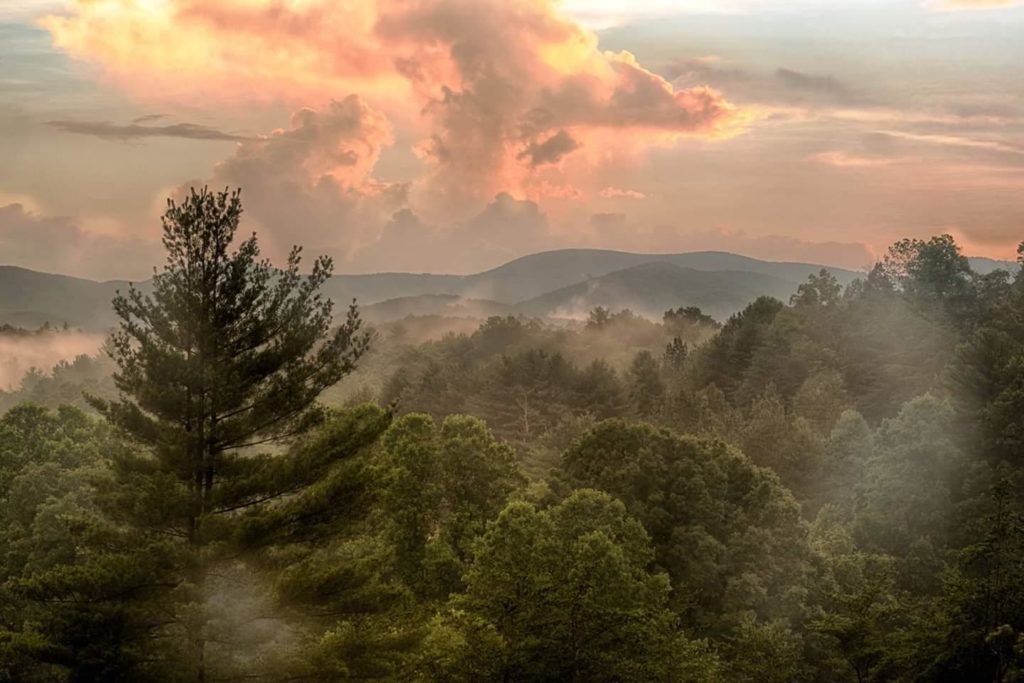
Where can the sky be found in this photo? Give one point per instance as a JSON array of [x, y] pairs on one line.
[[454, 135]]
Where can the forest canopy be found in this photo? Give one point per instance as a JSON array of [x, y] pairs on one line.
[[252, 486]]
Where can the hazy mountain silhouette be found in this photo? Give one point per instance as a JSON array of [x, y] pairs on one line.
[[652, 288], [448, 305], [29, 298], [563, 283], [531, 276]]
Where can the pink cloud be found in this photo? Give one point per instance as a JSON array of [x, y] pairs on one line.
[[620, 193], [843, 159], [497, 91]]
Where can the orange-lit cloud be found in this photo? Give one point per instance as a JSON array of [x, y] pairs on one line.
[[621, 193], [497, 91], [843, 159]]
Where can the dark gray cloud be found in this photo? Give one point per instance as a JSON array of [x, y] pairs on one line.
[[705, 71], [136, 130], [551, 150], [812, 83], [783, 85]]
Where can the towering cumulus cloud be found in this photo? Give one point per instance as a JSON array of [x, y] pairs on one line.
[[503, 95], [311, 183]]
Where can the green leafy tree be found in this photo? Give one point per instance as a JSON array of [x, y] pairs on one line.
[[646, 388], [689, 324], [987, 378], [524, 394], [439, 488], [850, 445], [820, 290], [729, 354], [822, 399], [928, 268], [598, 318], [53, 464], [984, 598], [566, 594], [912, 482], [788, 445], [727, 532], [676, 353], [863, 609]]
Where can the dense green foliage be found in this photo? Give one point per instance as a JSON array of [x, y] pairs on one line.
[[824, 489]]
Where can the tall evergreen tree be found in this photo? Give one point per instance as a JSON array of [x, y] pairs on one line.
[[226, 355]]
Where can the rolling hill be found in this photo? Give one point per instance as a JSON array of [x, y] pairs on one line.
[[652, 288], [29, 299], [447, 305], [532, 276], [556, 284], [564, 283]]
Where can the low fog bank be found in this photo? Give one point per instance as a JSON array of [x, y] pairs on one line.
[[42, 349]]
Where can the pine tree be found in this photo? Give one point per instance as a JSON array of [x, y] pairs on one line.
[[226, 355]]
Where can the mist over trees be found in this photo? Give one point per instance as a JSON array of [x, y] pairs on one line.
[[252, 488]]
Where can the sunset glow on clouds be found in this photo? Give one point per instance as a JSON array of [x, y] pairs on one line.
[[505, 76], [498, 97], [510, 126]]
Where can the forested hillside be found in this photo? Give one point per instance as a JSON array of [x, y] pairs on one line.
[[253, 485]]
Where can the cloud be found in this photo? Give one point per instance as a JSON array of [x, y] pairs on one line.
[[608, 221], [60, 244], [551, 150], [620, 193], [29, 241], [41, 351], [149, 118], [617, 233], [783, 85], [956, 141], [853, 255], [975, 4], [135, 130], [843, 159], [708, 70], [312, 183], [825, 85], [495, 91], [510, 227], [603, 14], [14, 10], [505, 217], [505, 229]]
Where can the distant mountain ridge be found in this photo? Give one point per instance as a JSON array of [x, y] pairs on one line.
[[537, 274], [557, 284], [29, 299], [650, 289]]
